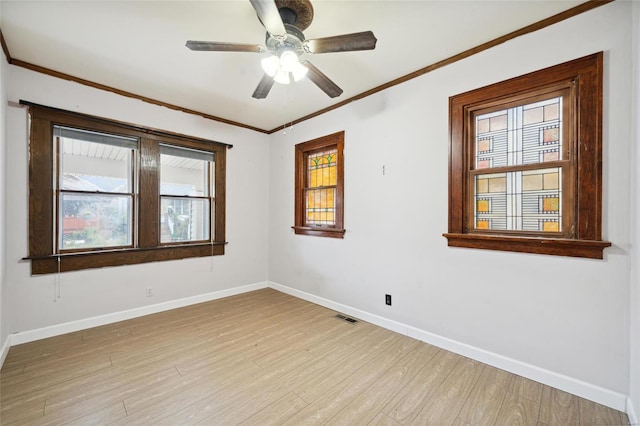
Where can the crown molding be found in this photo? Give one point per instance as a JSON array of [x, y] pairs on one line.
[[89, 83], [5, 49]]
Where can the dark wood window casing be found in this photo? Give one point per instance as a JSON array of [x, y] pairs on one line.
[[579, 84], [44, 254], [335, 229]]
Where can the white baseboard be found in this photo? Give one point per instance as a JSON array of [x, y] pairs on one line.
[[631, 412], [574, 386], [68, 327], [5, 350]]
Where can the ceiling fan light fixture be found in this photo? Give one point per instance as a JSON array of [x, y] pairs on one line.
[[299, 72], [282, 77], [271, 65], [284, 67], [289, 60]]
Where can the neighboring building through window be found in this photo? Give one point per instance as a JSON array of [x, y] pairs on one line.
[[104, 193], [525, 163], [319, 175]]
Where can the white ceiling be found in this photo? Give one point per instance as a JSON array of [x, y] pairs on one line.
[[139, 47]]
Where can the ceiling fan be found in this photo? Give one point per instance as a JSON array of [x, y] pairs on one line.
[[284, 21]]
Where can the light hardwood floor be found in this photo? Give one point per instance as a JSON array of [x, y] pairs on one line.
[[266, 358]]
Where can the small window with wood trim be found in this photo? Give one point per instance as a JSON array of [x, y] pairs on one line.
[[525, 163], [319, 190]]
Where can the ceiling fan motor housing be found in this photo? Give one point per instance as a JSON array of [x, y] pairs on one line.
[[293, 41], [296, 12]]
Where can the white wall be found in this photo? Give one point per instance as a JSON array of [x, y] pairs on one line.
[[633, 406], [565, 318], [90, 293], [4, 333]]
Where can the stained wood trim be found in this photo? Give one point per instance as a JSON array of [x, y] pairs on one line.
[[87, 260], [319, 232], [553, 246], [148, 207], [141, 130], [99, 86], [41, 238], [570, 13], [5, 49]]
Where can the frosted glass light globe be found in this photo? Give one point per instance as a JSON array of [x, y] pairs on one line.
[[289, 61]]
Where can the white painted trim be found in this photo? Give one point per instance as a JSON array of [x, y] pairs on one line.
[[577, 387], [68, 327], [5, 350], [631, 412]]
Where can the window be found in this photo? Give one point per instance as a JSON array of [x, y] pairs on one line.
[[186, 192], [319, 177], [95, 189], [105, 193], [525, 163]]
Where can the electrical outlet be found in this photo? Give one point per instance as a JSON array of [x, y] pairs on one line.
[[149, 292], [387, 299]]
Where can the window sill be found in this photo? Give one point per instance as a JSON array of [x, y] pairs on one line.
[[98, 259], [319, 232], [552, 246]]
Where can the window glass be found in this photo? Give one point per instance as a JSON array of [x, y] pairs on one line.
[[94, 221], [185, 188], [520, 137], [91, 161], [322, 175], [519, 201], [95, 182], [525, 134]]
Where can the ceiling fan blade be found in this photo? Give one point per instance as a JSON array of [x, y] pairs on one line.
[[321, 80], [343, 43], [269, 16], [263, 88], [218, 46]]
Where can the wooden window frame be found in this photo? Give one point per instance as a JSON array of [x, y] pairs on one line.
[[302, 151], [43, 252], [583, 237]]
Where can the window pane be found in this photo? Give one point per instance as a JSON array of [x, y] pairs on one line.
[[322, 169], [320, 206], [184, 219], [95, 166], [519, 201], [184, 171], [94, 221], [526, 134]]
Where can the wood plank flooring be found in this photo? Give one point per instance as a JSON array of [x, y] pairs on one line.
[[267, 358]]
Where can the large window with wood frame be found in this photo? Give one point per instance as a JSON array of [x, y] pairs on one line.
[[105, 193], [525, 163], [319, 172]]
